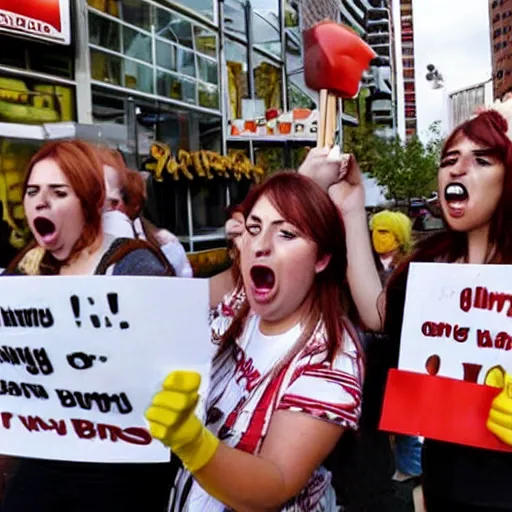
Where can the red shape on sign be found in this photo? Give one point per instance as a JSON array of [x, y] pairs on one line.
[[47, 11], [439, 408]]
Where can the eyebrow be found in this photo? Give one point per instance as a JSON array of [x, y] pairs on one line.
[[476, 152], [255, 218], [51, 185]]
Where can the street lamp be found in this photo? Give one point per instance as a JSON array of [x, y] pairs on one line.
[[434, 77]]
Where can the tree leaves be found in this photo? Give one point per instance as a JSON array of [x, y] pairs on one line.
[[406, 169]]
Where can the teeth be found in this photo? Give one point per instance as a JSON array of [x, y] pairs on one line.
[[456, 190]]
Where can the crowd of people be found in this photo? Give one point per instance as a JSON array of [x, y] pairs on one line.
[[306, 324]]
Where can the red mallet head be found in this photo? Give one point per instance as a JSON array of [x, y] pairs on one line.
[[335, 58]]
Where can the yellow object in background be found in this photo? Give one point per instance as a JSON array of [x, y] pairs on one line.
[[396, 223], [172, 420], [500, 414]]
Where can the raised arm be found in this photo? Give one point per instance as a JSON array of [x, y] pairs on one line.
[[344, 182]]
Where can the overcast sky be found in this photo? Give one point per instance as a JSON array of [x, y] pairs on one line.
[[454, 36]]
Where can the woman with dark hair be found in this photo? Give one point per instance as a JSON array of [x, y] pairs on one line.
[[475, 190], [286, 379], [64, 194]]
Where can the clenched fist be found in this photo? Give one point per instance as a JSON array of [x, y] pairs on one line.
[[173, 422]]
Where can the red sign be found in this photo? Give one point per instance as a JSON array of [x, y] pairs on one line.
[[41, 19], [440, 408]]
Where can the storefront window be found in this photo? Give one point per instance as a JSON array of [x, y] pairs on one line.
[[185, 63], [107, 6], [106, 67], [176, 87], [173, 27], [208, 96], [204, 7], [186, 133], [138, 76], [267, 82], [266, 26], [137, 45], [104, 32], [297, 98], [235, 18], [31, 101], [136, 12], [238, 86], [208, 71], [205, 41], [54, 59]]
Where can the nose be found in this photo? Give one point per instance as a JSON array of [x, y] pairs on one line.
[[459, 169], [42, 202], [263, 245]]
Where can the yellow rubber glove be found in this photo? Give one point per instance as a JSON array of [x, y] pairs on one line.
[[173, 422], [500, 414]]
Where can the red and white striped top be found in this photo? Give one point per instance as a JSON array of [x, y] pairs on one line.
[[254, 380]]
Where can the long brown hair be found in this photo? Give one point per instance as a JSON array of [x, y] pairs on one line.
[[488, 129], [79, 162], [304, 204]]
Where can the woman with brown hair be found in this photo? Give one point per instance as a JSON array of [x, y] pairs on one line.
[[475, 190], [64, 195], [286, 380]]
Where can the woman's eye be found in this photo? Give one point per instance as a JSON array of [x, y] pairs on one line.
[[448, 162], [482, 161], [253, 229], [61, 193], [287, 234], [31, 192]]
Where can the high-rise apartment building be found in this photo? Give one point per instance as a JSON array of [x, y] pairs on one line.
[[407, 56], [380, 36], [500, 16]]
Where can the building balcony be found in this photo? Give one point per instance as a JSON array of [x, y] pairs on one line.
[[380, 38]]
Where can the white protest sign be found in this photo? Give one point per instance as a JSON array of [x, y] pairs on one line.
[[457, 320], [81, 357]]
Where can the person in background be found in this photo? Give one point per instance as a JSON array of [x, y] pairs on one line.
[[115, 222], [64, 195], [391, 240], [286, 379], [475, 191], [132, 204]]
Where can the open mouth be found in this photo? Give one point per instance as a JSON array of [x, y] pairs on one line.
[[263, 278], [45, 228], [456, 192]]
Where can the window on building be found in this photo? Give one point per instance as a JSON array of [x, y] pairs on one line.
[[266, 26], [409, 73], [235, 21], [35, 101], [178, 59], [29, 55], [237, 77], [203, 7], [268, 78]]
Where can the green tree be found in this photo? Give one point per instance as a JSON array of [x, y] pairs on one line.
[[362, 142], [406, 169]]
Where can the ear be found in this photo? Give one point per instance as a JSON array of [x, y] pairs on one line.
[[322, 263]]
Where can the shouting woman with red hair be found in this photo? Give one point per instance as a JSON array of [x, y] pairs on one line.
[[286, 380], [63, 199], [475, 191]]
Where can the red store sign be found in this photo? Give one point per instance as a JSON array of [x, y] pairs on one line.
[[41, 19]]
